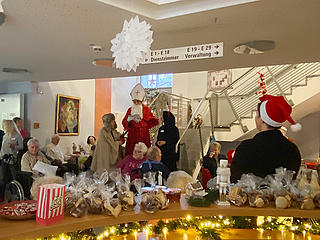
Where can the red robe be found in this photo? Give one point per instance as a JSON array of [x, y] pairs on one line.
[[139, 132]]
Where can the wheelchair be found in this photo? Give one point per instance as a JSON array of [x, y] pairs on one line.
[[16, 184]]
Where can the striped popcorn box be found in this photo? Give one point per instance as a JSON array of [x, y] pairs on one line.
[[50, 207]]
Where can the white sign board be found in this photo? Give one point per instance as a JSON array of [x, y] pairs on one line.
[[211, 50]]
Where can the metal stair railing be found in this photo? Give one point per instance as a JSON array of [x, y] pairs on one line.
[[195, 112], [241, 94]]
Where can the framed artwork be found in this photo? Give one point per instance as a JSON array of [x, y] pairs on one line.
[[68, 115], [219, 79]]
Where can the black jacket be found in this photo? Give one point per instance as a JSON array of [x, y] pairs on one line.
[[211, 164], [1, 137], [264, 153], [155, 166], [169, 133]]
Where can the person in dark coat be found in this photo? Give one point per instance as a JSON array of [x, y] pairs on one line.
[[168, 136], [153, 164], [212, 160], [1, 137], [269, 149]]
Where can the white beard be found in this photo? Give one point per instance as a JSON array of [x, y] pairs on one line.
[[137, 109]]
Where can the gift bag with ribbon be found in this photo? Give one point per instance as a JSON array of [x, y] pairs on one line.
[[50, 207]]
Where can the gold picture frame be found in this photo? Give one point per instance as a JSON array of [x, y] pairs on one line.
[[67, 115]]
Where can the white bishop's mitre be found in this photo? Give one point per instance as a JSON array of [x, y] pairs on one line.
[[138, 92]]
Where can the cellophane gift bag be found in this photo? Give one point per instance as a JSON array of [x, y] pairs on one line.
[[50, 207]]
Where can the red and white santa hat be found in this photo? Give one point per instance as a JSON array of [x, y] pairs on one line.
[[275, 110]]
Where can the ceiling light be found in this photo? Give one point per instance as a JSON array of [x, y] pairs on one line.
[[254, 47], [160, 2]]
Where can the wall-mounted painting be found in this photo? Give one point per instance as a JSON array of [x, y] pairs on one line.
[[67, 115]]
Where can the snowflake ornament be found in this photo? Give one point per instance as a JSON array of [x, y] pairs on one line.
[[131, 45]]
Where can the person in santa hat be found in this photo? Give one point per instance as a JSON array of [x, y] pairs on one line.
[[269, 149], [138, 120]]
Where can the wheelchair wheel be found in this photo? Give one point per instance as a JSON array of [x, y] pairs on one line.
[[14, 192]]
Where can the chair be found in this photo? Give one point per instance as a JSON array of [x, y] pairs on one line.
[[16, 183]]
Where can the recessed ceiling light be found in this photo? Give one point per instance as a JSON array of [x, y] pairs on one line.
[[254, 47], [103, 62], [161, 2]]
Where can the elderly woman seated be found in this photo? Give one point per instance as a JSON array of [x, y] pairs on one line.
[[32, 156], [133, 161]]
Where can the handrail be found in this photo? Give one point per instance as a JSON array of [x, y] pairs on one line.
[[191, 119], [170, 94], [235, 81]]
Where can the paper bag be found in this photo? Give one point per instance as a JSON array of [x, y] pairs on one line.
[[50, 207]]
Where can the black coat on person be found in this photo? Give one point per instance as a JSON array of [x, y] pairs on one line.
[[264, 153], [169, 133], [212, 164]]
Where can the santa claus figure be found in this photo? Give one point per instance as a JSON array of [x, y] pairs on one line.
[[138, 120]]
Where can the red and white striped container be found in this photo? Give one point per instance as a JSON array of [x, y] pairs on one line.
[[50, 206]]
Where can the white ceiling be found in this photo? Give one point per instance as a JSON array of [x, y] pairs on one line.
[[51, 38]]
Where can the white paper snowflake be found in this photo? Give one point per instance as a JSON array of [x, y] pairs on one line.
[[131, 45]]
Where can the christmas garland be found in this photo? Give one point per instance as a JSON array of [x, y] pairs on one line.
[[207, 227]]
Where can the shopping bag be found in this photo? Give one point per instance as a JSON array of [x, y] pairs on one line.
[[50, 207]]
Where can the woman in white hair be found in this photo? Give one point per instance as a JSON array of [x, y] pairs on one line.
[[133, 161], [107, 152]]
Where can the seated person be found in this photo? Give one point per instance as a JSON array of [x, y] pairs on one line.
[[212, 160], [268, 149], [30, 158], [91, 141], [87, 164], [133, 161], [23, 151], [153, 163], [54, 152]]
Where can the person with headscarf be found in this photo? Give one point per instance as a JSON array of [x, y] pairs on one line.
[[12, 142], [107, 152], [168, 136], [138, 120]]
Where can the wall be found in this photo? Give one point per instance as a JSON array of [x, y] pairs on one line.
[[42, 109], [11, 105], [120, 97], [191, 85], [102, 102], [308, 139]]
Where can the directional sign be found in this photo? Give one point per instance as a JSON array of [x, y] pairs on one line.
[[211, 50]]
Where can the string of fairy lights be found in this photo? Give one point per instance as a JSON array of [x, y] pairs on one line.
[[207, 227]]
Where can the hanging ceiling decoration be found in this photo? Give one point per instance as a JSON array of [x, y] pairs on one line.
[[131, 45]]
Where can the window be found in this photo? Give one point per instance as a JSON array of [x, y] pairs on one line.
[[163, 80]]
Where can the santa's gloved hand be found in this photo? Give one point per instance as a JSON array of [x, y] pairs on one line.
[[136, 118], [130, 118]]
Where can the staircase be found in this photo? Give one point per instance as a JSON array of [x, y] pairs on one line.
[[241, 99], [229, 113]]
